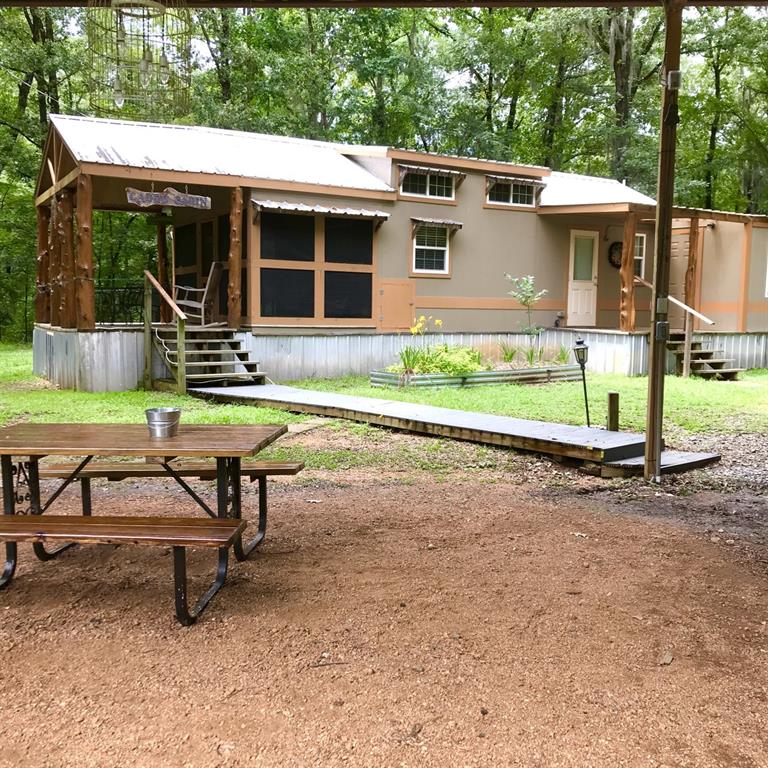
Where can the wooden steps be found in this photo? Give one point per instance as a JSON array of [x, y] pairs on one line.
[[212, 354], [705, 363]]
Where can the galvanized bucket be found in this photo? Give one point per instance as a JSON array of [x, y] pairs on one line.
[[163, 422]]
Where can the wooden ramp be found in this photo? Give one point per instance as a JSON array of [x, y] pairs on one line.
[[594, 446]]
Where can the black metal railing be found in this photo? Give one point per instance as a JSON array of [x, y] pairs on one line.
[[120, 304]]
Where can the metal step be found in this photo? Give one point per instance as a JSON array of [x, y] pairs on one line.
[[255, 376]]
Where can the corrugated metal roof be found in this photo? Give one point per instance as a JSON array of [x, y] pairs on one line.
[[273, 205], [194, 149], [574, 189], [443, 222], [434, 171]]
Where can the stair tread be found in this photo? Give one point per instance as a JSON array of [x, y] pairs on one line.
[[219, 363], [233, 376], [708, 360], [713, 371], [211, 352]]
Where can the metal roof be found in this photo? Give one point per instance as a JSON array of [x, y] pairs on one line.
[[362, 213], [574, 189], [194, 149], [450, 223]]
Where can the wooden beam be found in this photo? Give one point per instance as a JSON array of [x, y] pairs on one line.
[[57, 186], [42, 282], [234, 289], [54, 263], [746, 257], [690, 272], [627, 275], [85, 293], [673, 11], [66, 262], [162, 271]]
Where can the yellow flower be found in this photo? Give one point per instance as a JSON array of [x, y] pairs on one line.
[[438, 323]]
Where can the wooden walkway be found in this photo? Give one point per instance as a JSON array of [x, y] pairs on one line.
[[587, 444]]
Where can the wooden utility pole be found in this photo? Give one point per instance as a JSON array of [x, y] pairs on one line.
[[627, 275], [163, 272], [673, 10], [235, 258], [85, 292]]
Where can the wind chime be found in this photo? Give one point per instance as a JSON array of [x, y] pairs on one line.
[[140, 58]]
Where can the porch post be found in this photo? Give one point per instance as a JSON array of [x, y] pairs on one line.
[[85, 295], [42, 282], [627, 275], [54, 263], [235, 258], [690, 291], [673, 11], [67, 262], [162, 271]]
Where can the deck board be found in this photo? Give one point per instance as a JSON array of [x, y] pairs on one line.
[[589, 444]]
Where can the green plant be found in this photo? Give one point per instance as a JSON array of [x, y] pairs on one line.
[[563, 355], [508, 352], [524, 292], [409, 359], [531, 356]]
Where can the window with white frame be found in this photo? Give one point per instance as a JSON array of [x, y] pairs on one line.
[[430, 249], [639, 256], [512, 192], [427, 184]]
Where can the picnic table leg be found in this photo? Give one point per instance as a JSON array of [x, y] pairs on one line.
[[183, 614], [9, 508], [242, 551], [36, 508]]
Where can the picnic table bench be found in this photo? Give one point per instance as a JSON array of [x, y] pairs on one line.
[[228, 445]]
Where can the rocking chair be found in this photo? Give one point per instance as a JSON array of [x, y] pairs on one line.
[[199, 304]]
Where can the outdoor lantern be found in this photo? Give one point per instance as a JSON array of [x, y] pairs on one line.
[[581, 353]]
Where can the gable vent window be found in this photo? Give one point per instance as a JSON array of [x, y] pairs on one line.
[[509, 191]]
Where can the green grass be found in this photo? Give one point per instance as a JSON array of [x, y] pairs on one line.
[[694, 405], [24, 397]]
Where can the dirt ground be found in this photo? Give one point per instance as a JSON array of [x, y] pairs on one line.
[[482, 609]]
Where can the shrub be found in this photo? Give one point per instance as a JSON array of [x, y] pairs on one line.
[[508, 352], [452, 361]]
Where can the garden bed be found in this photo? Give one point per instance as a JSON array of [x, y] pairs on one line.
[[539, 375]]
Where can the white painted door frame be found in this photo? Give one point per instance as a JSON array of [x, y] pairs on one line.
[[582, 294]]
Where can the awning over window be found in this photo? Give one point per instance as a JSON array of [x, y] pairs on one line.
[[357, 213], [424, 170], [492, 179], [447, 223]]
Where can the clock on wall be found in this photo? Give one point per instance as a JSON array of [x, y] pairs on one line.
[[614, 254]]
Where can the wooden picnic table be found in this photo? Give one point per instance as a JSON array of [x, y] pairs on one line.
[[23, 445]]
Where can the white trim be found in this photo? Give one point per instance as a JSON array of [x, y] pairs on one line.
[[427, 196], [494, 180], [446, 270], [644, 252]]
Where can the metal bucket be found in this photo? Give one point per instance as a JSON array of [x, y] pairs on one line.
[[163, 422]]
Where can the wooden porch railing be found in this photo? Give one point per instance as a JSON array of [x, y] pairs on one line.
[[690, 313], [180, 319]]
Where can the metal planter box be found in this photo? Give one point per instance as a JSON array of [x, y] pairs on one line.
[[541, 375]]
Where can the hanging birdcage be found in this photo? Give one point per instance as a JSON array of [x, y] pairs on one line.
[[140, 58]]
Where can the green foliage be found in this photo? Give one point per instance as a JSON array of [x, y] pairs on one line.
[[563, 355], [508, 352], [692, 405], [453, 361], [524, 292], [23, 397]]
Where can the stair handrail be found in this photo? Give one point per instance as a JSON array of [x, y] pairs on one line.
[[690, 313], [180, 319], [677, 302]]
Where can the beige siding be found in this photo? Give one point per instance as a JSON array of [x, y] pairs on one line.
[[757, 309], [721, 274]]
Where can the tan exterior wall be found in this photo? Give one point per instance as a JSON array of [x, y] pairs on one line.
[[720, 274], [757, 307]]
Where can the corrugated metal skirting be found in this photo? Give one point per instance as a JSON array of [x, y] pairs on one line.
[[287, 358], [95, 361]]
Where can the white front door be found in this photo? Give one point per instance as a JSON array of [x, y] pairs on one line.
[[582, 278]]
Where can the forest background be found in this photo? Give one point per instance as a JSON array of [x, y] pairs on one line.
[[572, 89]]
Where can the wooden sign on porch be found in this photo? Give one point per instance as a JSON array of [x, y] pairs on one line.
[[169, 197]]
